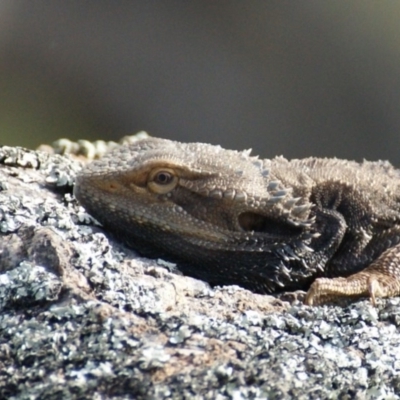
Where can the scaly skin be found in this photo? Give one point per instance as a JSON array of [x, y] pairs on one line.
[[327, 225]]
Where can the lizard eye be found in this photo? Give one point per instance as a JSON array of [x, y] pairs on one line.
[[162, 180]]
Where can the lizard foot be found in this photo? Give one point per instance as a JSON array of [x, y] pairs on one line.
[[380, 279]]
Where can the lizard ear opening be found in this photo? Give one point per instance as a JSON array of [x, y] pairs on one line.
[[250, 221]]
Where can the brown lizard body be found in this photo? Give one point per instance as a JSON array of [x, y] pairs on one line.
[[327, 225]]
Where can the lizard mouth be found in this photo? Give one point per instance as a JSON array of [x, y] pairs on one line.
[[253, 222]]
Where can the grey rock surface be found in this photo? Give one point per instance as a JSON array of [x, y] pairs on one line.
[[83, 317]]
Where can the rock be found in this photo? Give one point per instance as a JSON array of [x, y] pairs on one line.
[[82, 316]]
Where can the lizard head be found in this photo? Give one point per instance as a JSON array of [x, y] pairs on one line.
[[192, 190]]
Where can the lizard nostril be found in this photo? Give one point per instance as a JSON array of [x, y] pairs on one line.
[[109, 186]]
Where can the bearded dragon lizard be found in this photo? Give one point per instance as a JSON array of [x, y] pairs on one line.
[[328, 226]]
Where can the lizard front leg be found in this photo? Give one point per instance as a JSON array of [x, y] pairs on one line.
[[379, 279]]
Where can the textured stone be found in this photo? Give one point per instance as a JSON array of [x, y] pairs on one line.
[[89, 319]]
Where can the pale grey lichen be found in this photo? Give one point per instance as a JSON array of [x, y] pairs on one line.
[[28, 283]]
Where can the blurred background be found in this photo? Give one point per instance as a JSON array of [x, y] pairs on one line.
[[295, 78]]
